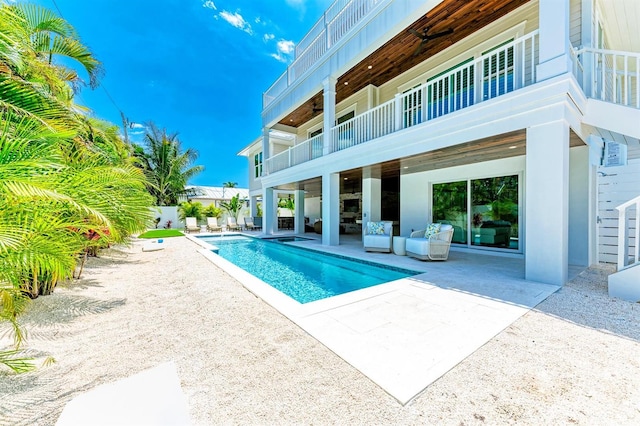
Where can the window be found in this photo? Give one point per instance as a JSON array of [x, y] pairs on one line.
[[450, 90], [497, 71], [257, 164], [412, 107], [315, 133], [483, 212]]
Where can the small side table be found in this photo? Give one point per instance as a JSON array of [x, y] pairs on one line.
[[399, 246]]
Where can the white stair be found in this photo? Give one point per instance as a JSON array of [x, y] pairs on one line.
[[625, 284]]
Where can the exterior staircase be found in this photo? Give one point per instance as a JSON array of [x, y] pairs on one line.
[[625, 284]]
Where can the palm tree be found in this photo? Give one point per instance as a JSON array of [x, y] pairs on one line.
[[63, 176], [167, 167], [229, 184], [233, 206]]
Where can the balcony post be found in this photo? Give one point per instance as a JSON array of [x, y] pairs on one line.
[[265, 144], [398, 111], [587, 9], [329, 107], [554, 54]]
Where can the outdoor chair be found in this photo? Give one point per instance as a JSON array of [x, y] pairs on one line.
[[212, 225], [248, 224], [432, 243], [232, 225], [378, 236], [191, 224]]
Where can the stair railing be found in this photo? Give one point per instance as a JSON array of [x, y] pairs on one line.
[[628, 214]]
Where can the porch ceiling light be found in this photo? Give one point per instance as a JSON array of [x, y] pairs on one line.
[[346, 83], [513, 146]]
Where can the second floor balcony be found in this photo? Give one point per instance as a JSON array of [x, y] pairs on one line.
[[606, 75], [503, 70]]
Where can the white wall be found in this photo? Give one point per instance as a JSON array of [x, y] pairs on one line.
[[312, 209], [415, 202], [579, 206], [166, 213]]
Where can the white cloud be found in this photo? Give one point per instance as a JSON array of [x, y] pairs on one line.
[[296, 4], [137, 126], [237, 21], [268, 37], [285, 47], [279, 57], [209, 5], [285, 50]]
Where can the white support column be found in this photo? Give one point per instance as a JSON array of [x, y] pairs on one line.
[[547, 203], [371, 201], [331, 209], [269, 214], [298, 217], [329, 112], [587, 40], [554, 55], [265, 144]]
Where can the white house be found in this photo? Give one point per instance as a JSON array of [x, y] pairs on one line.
[[497, 116]]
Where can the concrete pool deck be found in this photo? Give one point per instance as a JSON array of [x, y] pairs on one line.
[[406, 334]]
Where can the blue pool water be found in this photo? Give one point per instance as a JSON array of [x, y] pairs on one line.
[[304, 275]]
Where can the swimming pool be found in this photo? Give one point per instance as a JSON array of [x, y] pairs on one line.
[[302, 274]]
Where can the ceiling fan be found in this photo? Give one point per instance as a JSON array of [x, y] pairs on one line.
[[425, 37], [315, 109]]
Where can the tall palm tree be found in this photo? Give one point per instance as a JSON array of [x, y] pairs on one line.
[[63, 176], [229, 184], [167, 167]]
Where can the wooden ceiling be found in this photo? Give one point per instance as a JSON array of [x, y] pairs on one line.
[[396, 56], [493, 148]]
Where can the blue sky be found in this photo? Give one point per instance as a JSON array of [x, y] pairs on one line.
[[195, 67]]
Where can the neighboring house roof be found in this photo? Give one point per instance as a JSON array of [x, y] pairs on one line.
[[215, 192]]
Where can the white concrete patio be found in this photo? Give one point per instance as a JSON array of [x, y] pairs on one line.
[[406, 334]]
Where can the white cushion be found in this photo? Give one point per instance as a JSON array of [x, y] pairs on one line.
[[418, 246]]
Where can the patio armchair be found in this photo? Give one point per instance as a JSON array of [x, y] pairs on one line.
[[378, 236], [248, 224], [435, 246], [191, 224], [232, 225], [212, 225]]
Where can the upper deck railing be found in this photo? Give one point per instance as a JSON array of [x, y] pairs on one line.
[[500, 71], [609, 75], [337, 21]]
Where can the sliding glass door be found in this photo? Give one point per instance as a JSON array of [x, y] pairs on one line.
[[483, 212]]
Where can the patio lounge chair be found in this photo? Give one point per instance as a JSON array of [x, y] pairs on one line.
[[434, 247], [232, 225], [191, 224], [248, 224], [212, 225], [378, 236]]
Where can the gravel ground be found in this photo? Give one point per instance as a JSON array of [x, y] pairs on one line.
[[575, 359]]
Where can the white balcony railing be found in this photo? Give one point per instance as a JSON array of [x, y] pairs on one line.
[[628, 226], [493, 74], [337, 21], [503, 70], [297, 154], [609, 75]]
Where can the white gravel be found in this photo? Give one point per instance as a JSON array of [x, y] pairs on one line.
[[575, 359]]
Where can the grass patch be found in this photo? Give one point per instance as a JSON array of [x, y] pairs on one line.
[[161, 233]]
